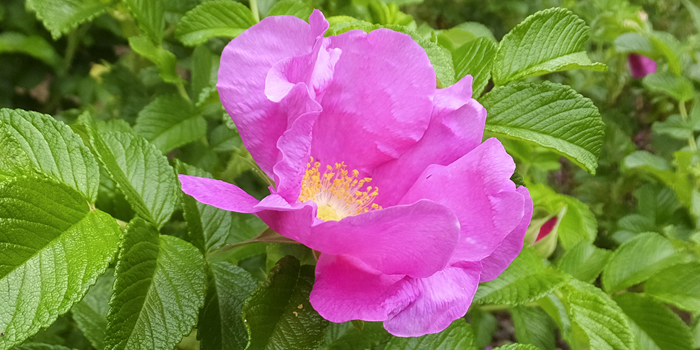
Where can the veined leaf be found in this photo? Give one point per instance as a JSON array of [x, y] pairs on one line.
[[344, 336], [475, 58], [60, 17], [534, 326], [163, 59], [205, 66], [214, 19], [291, 8], [678, 285], [677, 87], [458, 335], [584, 261], [39, 346], [53, 149], [279, 315], [159, 289], [637, 260], [34, 46], [517, 346], [150, 16], [654, 325], [548, 41], [91, 313], [550, 115], [170, 122], [53, 249]]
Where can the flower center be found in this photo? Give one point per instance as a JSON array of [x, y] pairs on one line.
[[338, 192]]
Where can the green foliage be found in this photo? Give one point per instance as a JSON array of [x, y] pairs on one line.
[[60, 17], [534, 326], [677, 87], [654, 325], [291, 8], [91, 313], [33, 45], [678, 285], [214, 19], [170, 122], [163, 59], [150, 16], [475, 58], [457, 336], [584, 261]]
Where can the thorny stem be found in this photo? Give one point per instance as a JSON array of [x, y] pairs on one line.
[[684, 115], [254, 9]]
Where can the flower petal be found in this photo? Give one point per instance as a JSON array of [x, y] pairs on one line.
[[220, 194], [346, 289], [378, 103], [508, 250], [456, 127], [437, 300], [477, 187], [245, 63]]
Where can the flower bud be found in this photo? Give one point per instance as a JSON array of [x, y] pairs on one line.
[[543, 231], [640, 66]]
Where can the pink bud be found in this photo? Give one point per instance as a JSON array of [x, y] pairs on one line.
[[546, 228], [640, 65]]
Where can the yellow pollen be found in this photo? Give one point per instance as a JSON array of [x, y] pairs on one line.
[[339, 193]]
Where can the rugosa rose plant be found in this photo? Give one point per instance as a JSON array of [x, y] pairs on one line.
[[374, 167]]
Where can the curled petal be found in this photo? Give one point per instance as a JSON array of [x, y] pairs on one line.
[[220, 194]]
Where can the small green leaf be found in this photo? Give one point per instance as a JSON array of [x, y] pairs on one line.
[[677, 87], [163, 59], [453, 38], [534, 326], [678, 285], [159, 289], [478, 29], [637, 260], [550, 115], [458, 335], [60, 17], [291, 8], [54, 249], [150, 16], [584, 261], [170, 122], [655, 325], [549, 41], [676, 127], [53, 149], [205, 66], [279, 315], [475, 58], [214, 19], [33, 45], [652, 164], [526, 279], [91, 313]]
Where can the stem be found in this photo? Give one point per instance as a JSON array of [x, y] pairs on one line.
[[183, 92], [499, 307], [684, 115], [254, 9]]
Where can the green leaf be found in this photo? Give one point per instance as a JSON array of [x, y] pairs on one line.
[[140, 170], [39, 346], [344, 336], [479, 30], [170, 122], [670, 84], [163, 59], [678, 285], [649, 163], [653, 45], [291, 8], [54, 249], [549, 41], [484, 325], [159, 289], [516, 346], [91, 313], [676, 127], [534, 326], [220, 323], [453, 38], [550, 115], [60, 17], [458, 335], [53, 149], [278, 314], [637, 260], [150, 16], [694, 13], [33, 45], [205, 66], [13, 160], [475, 58], [210, 227], [655, 326], [526, 279], [584, 261], [214, 19]]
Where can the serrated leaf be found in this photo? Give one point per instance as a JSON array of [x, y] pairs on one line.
[[655, 326], [550, 115], [214, 19], [637, 260], [344, 336], [53, 149], [39, 346], [13, 160], [170, 122], [291, 8], [458, 335], [278, 313], [150, 17], [678, 285], [33, 45], [91, 313], [220, 321], [534, 326], [475, 58], [159, 289], [584, 261], [60, 17], [517, 346], [670, 84], [163, 59], [526, 279], [140, 170], [549, 41], [54, 249]]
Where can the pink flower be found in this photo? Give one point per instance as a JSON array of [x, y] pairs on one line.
[[321, 116], [640, 66]]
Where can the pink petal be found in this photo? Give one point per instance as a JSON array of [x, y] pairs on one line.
[[477, 187], [436, 301], [641, 66], [346, 289], [245, 63], [546, 228], [378, 102], [456, 127], [508, 250], [218, 193]]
